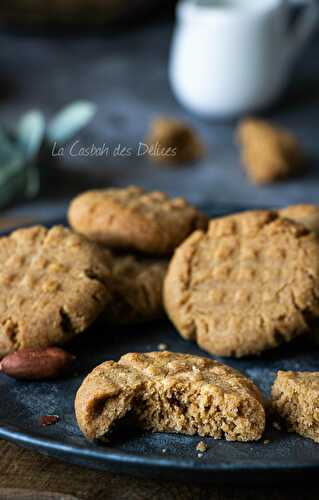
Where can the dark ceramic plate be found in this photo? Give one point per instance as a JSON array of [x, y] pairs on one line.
[[286, 456]]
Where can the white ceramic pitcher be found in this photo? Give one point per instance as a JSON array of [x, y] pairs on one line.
[[230, 57]]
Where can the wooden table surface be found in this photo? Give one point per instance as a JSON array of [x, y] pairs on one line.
[[27, 470]]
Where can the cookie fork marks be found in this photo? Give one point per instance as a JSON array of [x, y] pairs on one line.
[[131, 218], [49, 299], [162, 392], [248, 283]]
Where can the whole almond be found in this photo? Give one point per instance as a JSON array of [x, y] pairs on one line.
[[37, 364]]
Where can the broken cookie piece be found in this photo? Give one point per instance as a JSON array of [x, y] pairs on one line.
[[172, 141], [295, 397], [170, 392], [268, 153], [53, 285], [305, 214]]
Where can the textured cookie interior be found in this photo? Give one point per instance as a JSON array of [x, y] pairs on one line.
[[184, 410], [296, 400], [184, 405]]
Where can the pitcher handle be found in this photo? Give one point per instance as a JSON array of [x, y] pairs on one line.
[[304, 27]]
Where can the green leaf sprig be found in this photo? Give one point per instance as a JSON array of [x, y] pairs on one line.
[[20, 148]]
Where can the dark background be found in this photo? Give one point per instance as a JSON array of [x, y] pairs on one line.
[[123, 69]]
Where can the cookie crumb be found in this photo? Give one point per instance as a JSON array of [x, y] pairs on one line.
[[200, 455], [162, 347], [266, 441], [46, 420], [276, 426], [201, 446]]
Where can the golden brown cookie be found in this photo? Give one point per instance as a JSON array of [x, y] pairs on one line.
[[308, 215], [247, 284], [136, 287], [295, 397], [130, 218], [170, 392], [53, 284], [172, 141], [268, 153]]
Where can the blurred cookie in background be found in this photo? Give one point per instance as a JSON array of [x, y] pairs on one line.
[[305, 214], [268, 153], [173, 142]]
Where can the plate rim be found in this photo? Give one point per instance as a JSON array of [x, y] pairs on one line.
[[172, 467], [108, 456]]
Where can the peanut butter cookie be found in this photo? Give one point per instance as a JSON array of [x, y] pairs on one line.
[[130, 218], [136, 286], [247, 284], [169, 392], [268, 153], [172, 141], [53, 284], [308, 215], [295, 397]]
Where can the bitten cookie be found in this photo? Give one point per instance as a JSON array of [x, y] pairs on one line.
[[137, 289], [308, 215], [169, 392], [295, 397], [248, 283], [130, 218], [268, 153], [53, 284]]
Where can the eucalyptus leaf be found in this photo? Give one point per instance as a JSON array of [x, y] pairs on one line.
[[30, 134], [12, 170], [68, 122], [32, 186], [8, 148], [16, 177], [19, 148]]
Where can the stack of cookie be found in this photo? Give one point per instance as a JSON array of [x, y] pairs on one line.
[[245, 284], [139, 231], [237, 286], [56, 282]]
